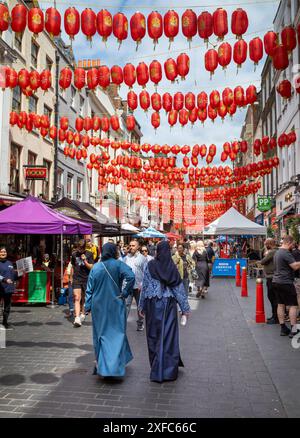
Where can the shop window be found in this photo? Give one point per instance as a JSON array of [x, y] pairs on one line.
[[32, 104], [17, 99], [69, 186], [34, 53], [15, 152], [79, 189]]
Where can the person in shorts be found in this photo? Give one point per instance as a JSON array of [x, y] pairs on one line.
[[285, 266], [82, 262]]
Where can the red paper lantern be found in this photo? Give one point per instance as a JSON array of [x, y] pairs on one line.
[[251, 95], [186, 162], [138, 27], [156, 101], [170, 67], [224, 156], [280, 58], [142, 74], [193, 115], [189, 24], [132, 100], [104, 24], [87, 124], [232, 109], [224, 55], [88, 23], [92, 78], [105, 124], [114, 122], [120, 27], [155, 26], [11, 78], [183, 117], [4, 18], [202, 115], [190, 101], [214, 99], [212, 113], [34, 80], [36, 20], [144, 99], [244, 146], [72, 22], [240, 52], [130, 123], [284, 88], [227, 96], [178, 101], [129, 75], [53, 132], [104, 76], [64, 123], [22, 118], [183, 65], [205, 25], [96, 123], [116, 73], [171, 25], [44, 132], [172, 117], [18, 18], [155, 72], [79, 124], [79, 78], [211, 61], [52, 22], [155, 120], [45, 122], [256, 50], [45, 80], [209, 159], [65, 78], [23, 78], [282, 140], [239, 96], [222, 110], [291, 138], [69, 137], [220, 23], [270, 42], [13, 118], [167, 102], [232, 156], [227, 148], [288, 38], [202, 100], [235, 147], [239, 22]]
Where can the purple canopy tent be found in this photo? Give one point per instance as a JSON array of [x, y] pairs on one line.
[[31, 216]]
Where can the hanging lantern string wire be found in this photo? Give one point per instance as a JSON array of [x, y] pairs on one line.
[[150, 7]]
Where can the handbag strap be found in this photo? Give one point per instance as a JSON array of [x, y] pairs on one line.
[[118, 287]]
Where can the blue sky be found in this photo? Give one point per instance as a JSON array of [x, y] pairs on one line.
[[261, 17]]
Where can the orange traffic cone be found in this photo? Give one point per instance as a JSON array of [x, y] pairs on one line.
[[260, 308], [238, 274], [244, 291]]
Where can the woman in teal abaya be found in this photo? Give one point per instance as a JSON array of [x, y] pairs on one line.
[[105, 298]]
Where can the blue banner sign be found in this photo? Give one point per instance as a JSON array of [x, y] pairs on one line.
[[226, 267]]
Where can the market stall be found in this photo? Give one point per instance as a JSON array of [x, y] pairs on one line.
[[31, 216], [232, 223]]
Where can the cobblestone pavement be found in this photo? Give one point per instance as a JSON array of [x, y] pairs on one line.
[[233, 367]]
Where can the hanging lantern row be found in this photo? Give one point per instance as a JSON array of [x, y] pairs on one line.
[[21, 120], [106, 24], [192, 103], [102, 76], [270, 45]]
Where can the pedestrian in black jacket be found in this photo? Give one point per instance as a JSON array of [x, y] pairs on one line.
[[7, 286]]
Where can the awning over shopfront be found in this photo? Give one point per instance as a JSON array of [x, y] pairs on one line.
[[87, 213], [289, 210], [32, 216]]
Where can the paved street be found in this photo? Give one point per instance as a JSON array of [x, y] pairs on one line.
[[233, 367]]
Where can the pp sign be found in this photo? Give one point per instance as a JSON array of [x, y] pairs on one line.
[[264, 204]]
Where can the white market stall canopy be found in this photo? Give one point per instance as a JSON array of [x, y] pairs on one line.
[[233, 223]]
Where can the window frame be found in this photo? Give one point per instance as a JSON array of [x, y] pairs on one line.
[[34, 60]]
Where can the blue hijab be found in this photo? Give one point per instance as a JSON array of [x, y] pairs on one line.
[[162, 268], [109, 251]]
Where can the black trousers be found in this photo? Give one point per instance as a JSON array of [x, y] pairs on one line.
[[7, 306], [272, 298]]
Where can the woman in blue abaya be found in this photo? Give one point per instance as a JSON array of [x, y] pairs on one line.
[[105, 298], [162, 290]]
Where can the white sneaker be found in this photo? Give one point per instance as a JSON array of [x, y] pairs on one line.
[[77, 322], [82, 317]]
